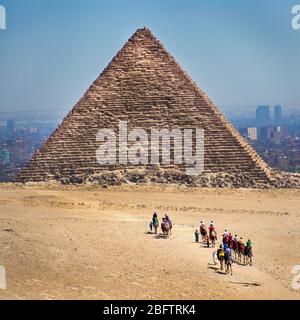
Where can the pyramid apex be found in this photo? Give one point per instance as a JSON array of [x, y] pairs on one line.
[[144, 29], [145, 32]]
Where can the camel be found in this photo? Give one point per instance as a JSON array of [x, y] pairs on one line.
[[228, 265], [241, 248], [235, 249], [213, 237], [166, 228], [248, 255], [203, 233]]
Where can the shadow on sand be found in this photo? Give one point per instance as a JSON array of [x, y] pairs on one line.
[[216, 269], [160, 236], [248, 284]]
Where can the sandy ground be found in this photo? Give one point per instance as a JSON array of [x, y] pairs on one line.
[[91, 243]]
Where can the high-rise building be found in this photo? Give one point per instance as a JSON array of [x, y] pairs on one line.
[[10, 125], [263, 116], [276, 135], [4, 156], [263, 133], [277, 115], [252, 133]]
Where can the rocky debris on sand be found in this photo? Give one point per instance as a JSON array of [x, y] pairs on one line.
[[286, 180], [158, 175]]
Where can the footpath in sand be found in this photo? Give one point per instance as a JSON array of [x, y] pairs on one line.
[[90, 243]]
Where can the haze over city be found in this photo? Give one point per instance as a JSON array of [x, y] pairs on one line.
[[241, 54]]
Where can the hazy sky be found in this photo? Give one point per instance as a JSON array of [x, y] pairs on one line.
[[241, 53]]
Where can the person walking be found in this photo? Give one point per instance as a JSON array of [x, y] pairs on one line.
[[196, 236]]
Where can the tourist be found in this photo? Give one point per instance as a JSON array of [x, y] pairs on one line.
[[248, 252], [221, 256], [155, 223], [167, 219], [249, 243], [196, 236], [207, 241], [225, 237], [212, 227], [154, 217]]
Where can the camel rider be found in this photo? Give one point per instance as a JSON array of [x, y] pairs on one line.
[[164, 221], [212, 231], [249, 243], [225, 237], [235, 243], [241, 245], [249, 251], [167, 219], [202, 225]]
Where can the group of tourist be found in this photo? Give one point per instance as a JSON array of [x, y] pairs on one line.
[[231, 245], [209, 236], [166, 224]]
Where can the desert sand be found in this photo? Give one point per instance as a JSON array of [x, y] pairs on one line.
[[68, 242]]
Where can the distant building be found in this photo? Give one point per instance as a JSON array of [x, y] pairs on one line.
[[263, 116], [277, 115], [10, 125], [4, 156], [275, 135], [252, 133], [2, 129], [263, 133]]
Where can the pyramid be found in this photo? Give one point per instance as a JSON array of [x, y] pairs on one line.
[[146, 87]]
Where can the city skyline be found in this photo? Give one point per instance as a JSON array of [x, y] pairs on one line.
[[248, 57]]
